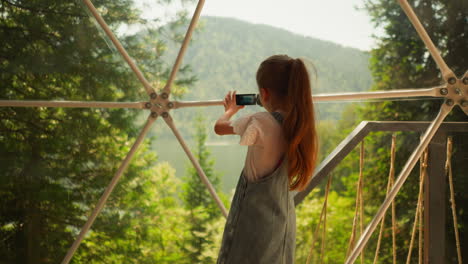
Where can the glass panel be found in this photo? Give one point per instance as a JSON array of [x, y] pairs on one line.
[[227, 154], [56, 162]]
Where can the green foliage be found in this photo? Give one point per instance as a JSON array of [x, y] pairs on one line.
[[145, 224], [204, 218], [55, 163], [340, 215], [400, 61]]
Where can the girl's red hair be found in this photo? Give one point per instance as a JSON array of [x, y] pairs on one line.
[[288, 81]]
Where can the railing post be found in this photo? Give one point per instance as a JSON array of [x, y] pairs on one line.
[[435, 201]]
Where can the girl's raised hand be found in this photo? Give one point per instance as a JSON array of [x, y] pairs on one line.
[[230, 104]]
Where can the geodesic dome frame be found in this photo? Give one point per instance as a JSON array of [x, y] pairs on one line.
[[454, 91]]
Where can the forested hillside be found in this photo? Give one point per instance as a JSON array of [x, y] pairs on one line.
[[224, 55], [226, 52]]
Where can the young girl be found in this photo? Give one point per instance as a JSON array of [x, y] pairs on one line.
[[261, 224]]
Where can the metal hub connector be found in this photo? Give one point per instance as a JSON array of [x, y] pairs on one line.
[[456, 92], [160, 105], [463, 87]]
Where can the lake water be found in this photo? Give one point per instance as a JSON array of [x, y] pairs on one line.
[[228, 159]]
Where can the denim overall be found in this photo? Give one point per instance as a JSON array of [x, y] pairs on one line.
[[261, 225]]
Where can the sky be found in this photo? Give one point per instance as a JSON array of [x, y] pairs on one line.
[[334, 20]]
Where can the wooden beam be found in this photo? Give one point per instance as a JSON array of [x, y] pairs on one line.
[[435, 201]]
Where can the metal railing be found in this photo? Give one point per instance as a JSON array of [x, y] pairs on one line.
[[435, 184]]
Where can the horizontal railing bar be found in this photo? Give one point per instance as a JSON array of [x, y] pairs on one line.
[[180, 104], [74, 104], [335, 157], [416, 126], [356, 136], [404, 93]]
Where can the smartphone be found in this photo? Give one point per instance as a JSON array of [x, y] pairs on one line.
[[247, 99]]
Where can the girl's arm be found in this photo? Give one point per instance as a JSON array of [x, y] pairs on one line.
[[223, 125]]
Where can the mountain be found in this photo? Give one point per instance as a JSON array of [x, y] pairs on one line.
[[226, 52], [224, 55]]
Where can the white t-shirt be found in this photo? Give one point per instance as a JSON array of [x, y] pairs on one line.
[[264, 136]]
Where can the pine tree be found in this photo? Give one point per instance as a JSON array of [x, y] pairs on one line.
[[399, 61], [55, 162], [204, 215]]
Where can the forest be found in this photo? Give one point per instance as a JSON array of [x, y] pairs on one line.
[[56, 162]]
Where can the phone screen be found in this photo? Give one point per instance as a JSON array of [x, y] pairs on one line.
[[246, 99]]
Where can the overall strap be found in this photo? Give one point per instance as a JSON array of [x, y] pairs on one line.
[[278, 117]]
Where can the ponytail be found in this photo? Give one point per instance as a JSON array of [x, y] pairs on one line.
[[299, 128], [288, 78]]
